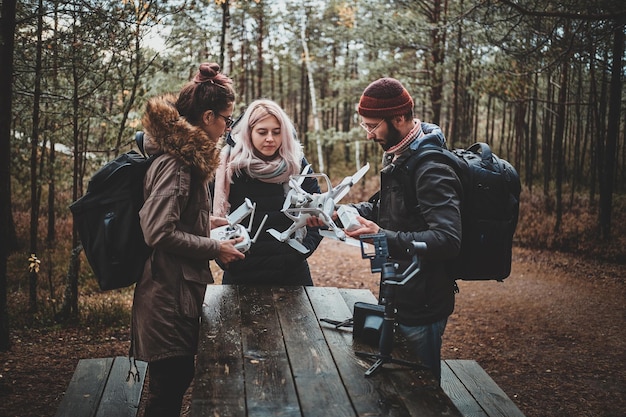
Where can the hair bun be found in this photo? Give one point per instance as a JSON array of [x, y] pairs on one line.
[[207, 72]]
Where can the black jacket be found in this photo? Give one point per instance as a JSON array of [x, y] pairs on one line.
[[268, 261], [436, 220]]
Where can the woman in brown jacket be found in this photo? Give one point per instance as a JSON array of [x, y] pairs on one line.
[[175, 222]]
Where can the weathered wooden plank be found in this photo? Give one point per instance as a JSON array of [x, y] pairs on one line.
[[315, 374], [416, 388], [419, 389], [370, 396], [460, 396], [351, 296], [269, 386], [484, 389], [121, 397], [219, 380], [85, 389]]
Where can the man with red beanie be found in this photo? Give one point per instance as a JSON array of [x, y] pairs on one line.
[[426, 301]]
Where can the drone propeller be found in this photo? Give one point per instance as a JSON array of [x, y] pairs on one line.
[[344, 186], [303, 174], [290, 241], [296, 196], [350, 241]]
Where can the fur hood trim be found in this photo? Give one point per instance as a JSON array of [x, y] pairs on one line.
[[169, 132]]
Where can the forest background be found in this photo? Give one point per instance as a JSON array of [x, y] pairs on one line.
[[540, 81]]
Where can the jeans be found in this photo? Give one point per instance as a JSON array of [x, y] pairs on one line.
[[425, 341], [168, 380]]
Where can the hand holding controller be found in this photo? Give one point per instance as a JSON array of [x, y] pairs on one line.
[[234, 230]]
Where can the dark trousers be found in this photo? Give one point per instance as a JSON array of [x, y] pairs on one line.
[[168, 380]]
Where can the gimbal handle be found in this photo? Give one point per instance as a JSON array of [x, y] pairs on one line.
[[380, 263]]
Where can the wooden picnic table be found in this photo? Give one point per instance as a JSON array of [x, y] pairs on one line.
[[264, 351]]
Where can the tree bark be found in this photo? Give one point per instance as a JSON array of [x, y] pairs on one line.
[[615, 97], [316, 123], [7, 43], [34, 176], [559, 133]]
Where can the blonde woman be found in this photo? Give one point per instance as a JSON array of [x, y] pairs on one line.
[[265, 154]]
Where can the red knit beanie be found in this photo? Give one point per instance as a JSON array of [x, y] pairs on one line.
[[385, 97]]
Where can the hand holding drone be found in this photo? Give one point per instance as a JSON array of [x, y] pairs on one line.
[[300, 205], [234, 230]]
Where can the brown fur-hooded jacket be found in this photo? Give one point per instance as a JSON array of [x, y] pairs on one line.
[[175, 222]]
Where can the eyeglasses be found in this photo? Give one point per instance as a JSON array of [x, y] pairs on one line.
[[229, 120], [369, 129]]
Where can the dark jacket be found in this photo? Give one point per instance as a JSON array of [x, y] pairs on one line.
[[429, 296], [270, 262], [175, 222]]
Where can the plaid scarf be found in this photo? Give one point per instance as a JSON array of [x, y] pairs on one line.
[[404, 144]]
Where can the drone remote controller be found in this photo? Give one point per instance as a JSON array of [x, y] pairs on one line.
[[229, 232], [347, 214], [234, 230]]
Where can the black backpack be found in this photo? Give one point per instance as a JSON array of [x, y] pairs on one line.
[[107, 219], [489, 207]]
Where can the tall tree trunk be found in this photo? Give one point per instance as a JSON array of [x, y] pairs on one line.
[[600, 134], [521, 132], [559, 133], [7, 42], [456, 89], [309, 72], [259, 49], [531, 151], [615, 98], [225, 38], [51, 233], [593, 121], [34, 176], [547, 144], [69, 309], [576, 174], [243, 53], [437, 40]]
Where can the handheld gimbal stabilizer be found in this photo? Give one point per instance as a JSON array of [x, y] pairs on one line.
[[390, 280]]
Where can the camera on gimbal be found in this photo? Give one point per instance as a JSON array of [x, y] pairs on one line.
[[374, 324], [368, 319], [367, 322]]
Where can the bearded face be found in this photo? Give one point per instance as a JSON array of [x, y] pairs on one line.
[[393, 136]]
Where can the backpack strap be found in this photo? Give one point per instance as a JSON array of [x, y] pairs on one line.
[[229, 136], [139, 142], [405, 170]]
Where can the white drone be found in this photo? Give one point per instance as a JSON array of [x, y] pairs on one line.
[[300, 205], [234, 230]]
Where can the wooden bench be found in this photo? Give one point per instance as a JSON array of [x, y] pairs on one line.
[[473, 391], [99, 388]]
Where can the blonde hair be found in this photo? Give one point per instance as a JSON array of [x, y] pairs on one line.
[[242, 154]]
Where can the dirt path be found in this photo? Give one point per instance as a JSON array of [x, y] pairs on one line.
[[553, 336]]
